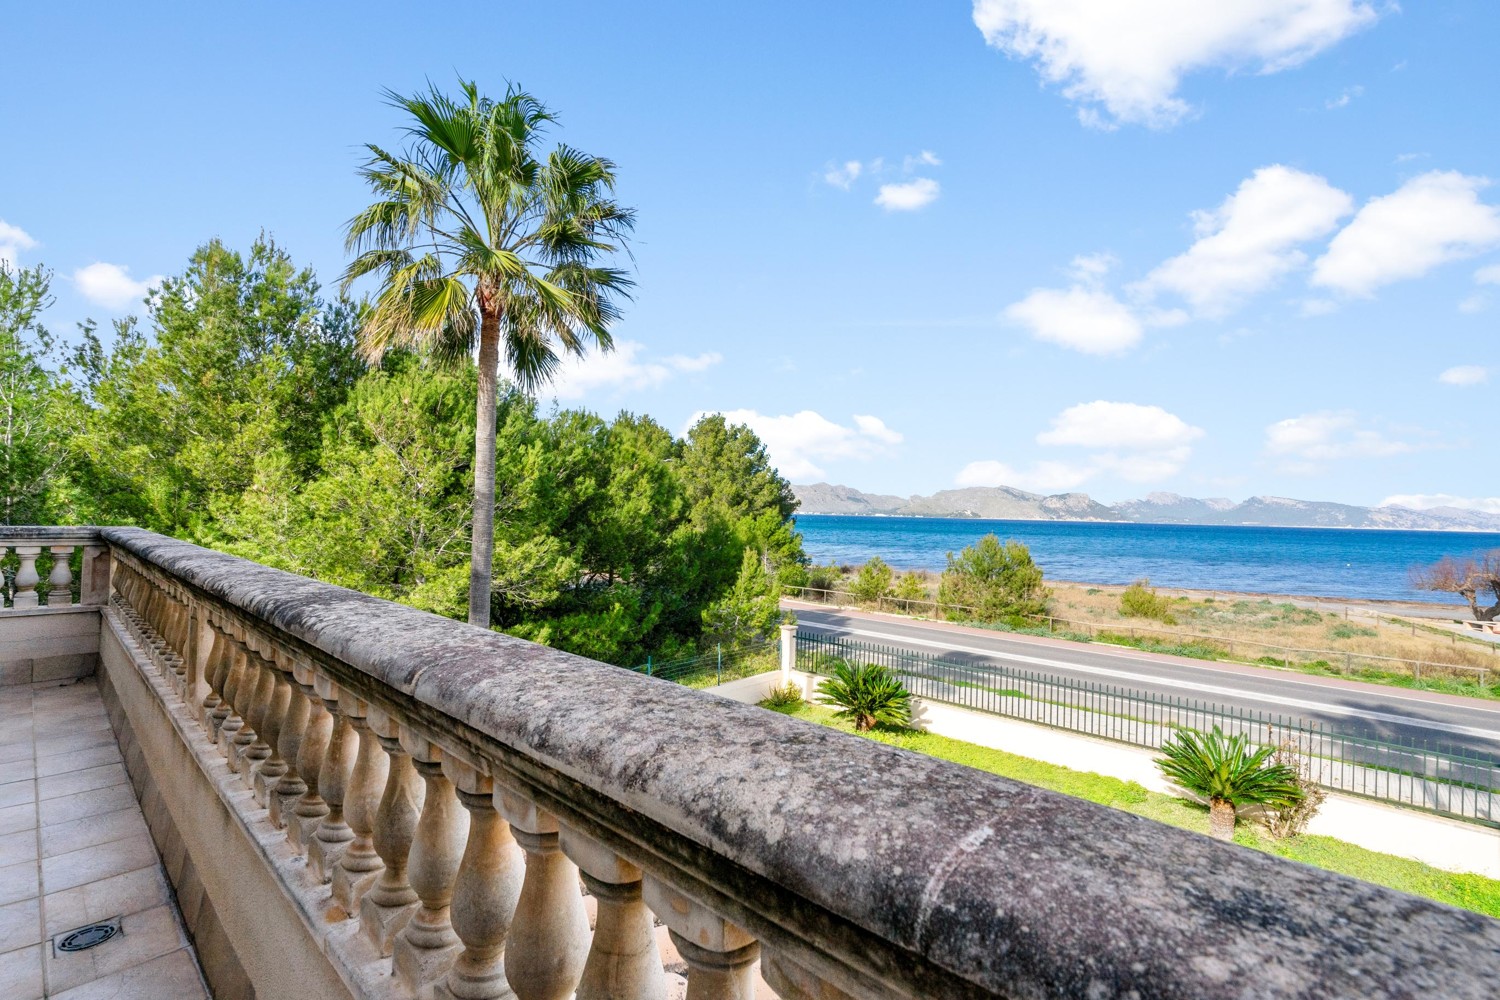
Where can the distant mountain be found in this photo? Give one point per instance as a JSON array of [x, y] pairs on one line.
[[1009, 503]]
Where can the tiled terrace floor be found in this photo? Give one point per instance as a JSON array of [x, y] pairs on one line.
[[74, 850]]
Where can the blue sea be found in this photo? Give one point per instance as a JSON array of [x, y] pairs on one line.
[[1322, 562]]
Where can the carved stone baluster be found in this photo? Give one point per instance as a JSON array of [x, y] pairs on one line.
[[268, 775], [623, 962], [549, 938], [793, 982], [26, 577], [360, 864], [212, 676], [484, 899], [60, 580], [720, 956], [390, 902], [236, 692], [310, 809], [333, 835], [427, 946], [291, 787], [251, 749]]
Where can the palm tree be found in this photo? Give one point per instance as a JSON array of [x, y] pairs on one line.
[[867, 694], [473, 233], [1229, 773]]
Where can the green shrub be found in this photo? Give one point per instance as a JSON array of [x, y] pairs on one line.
[[787, 695], [911, 587], [1227, 772], [873, 581], [828, 577], [1346, 631], [1140, 601], [866, 695], [997, 580]]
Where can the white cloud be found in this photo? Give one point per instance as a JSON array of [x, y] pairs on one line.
[[1089, 268], [622, 370], [13, 239], [1328, 436], [111, 286], [926, 158], [1465, 375], [1040, 477], [1084, 319], [1426, 501], [844, 176], [1488, 275], [799, 443], [1251, 239], [1128, 58], [1103, 424], [1476, 303], [1345, 96], [1431, 219], [908, 196]]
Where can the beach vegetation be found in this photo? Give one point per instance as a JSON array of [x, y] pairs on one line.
[[992, 581], [872, 582], [1140, 600], [866, 694], [1472, 579], [1230, 773], [911, 587]]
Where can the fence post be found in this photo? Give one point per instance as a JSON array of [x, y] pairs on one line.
[[788, 652], [719, 649], [648, 664]]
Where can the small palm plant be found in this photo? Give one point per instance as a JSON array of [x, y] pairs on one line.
[[867, 694], [1229, 772]]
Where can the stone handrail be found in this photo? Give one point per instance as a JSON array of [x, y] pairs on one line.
[[26, 590], [450, 783]]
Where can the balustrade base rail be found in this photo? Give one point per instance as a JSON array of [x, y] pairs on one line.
[[1417, 774]]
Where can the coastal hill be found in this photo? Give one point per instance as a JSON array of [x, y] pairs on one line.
[[1007, 502]]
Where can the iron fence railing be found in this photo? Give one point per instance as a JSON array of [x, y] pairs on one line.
[[1190, 643], [1414, 773], [715, 666]]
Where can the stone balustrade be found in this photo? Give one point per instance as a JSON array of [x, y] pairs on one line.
[[453, 793], [26, 590]]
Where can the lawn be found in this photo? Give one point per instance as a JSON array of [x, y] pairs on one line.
[[1471, 892]]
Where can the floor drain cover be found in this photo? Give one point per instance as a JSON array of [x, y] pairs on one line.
[[88, 937]]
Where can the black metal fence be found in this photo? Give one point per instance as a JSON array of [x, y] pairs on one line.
[[1413, 773]]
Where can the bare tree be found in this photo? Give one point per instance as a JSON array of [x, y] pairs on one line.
[[1467, 578]]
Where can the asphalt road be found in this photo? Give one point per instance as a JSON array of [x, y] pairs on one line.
[[1461, 724]]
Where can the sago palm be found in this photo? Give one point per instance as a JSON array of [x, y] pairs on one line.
[[475, 236], [1228, 772], [867, 694]]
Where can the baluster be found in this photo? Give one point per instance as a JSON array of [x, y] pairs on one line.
[[426, 947], [623, 961], [333, 835], [549, 938], [26, 577], [220, 657], [390, 902], [235, 692], [250, 748], [310, 809], [60, 580], [360, 863], [291, 787], [720, 956], [484, 898], [792, 981], [268, 775]]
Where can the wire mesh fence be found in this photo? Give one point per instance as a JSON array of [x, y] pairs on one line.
[[715, 666], [1419, 774]]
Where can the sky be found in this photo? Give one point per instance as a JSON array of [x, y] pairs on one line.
[[1231, 249]]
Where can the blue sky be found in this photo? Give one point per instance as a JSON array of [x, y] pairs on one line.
[[1058, 245]]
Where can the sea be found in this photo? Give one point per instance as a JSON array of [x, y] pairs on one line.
[[1349, 563]]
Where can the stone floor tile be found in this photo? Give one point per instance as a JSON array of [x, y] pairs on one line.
[[174, 975], [21, 974], [20, 924], [17, 848], [64, 871], [16, 818], [96, 737], [77, 760], [17, 770], [16, 730], [145, 935], [61, 838], [18, 882], [81, 781], [22, 750], [18, 793], [132, 892], [91, 803]]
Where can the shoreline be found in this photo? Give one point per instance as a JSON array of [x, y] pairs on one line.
[[1414, 609], [1152, 524]]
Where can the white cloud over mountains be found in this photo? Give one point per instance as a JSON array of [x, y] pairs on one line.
[[111, 286], [1138, 443], [1304, 442], [800, 443], [13, 240], [1430, 220], [1426, 501], [624, 369], [1123, 62]]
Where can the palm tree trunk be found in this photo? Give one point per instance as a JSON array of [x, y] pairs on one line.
[[482, 552], [1221, 819]]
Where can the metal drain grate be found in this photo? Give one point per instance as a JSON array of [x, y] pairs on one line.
[[84, 938]]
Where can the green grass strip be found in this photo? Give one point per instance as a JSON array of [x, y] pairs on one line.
[[1468, 891]]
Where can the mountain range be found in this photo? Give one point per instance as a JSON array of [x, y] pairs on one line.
[[1009, 503]]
